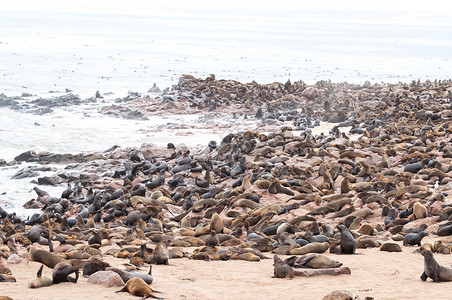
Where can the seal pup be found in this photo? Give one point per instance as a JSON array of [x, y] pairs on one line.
[[212, 240], [347, 242], [281, 269], [40, 281], [433, 270], [137, 287], [62, 271]]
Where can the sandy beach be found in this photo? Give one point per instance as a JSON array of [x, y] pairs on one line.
[[374, 273]]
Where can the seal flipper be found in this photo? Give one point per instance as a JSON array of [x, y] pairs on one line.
[[424, 276], [39, 274], [306, 259], [151, 296], [124, 289]]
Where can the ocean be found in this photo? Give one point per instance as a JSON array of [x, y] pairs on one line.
[[46, 48]]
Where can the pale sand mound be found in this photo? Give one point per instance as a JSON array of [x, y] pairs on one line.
[[382, 275]]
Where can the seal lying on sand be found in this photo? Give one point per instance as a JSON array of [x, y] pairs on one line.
[[45, 257], [433, 270], [40, 281], [137, 287]]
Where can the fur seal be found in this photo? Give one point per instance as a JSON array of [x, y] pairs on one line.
[[347, 241], [285, 240], [390, 247], [445, 230], [341, 295], [281, 269], [40, 281], [419, 211], [45, 257], [93, 267], [315, 261], [414, 238], [433, 270], [161, 253], [62, 271], [313, 247], [212, 240], [137, 287]]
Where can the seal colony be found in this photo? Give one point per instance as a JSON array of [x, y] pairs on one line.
[[257, 193]]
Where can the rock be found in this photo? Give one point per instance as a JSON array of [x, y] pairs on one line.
[[26, 156], [14, 259], [106, 278]]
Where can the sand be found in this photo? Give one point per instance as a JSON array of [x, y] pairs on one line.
[[374, 273]]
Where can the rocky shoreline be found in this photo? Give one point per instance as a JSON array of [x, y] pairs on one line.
[[279, 190]]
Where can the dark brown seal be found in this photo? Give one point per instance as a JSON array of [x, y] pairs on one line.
[[433, 270], [62, 271], [45, 257], [39, 281]]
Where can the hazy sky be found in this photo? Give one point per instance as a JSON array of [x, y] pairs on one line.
[[141, 6]]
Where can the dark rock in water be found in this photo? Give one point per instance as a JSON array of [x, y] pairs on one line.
[[7, 102], [134, 115], [54, 180], [26, 156], [25, 94], [2, 162], [25, 173], [65, 100], [41, 111]]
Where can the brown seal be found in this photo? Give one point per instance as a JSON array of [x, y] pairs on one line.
[[137, 287], [39, 281], [161, 253], [433, 270], [281, 269], [390, 247], [341, 295], [45, 257], [216, 223], [313, 247], [316, 261], [419, 211]]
